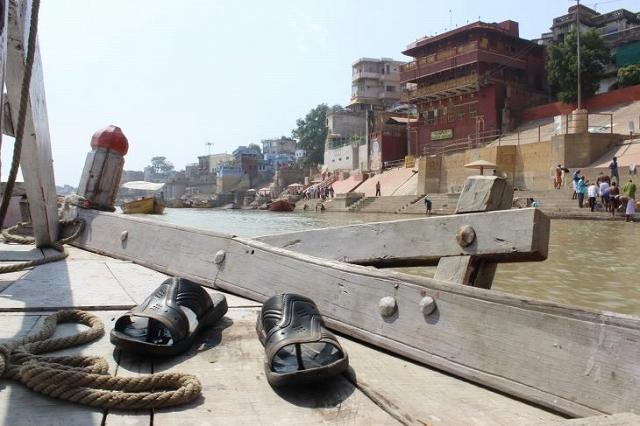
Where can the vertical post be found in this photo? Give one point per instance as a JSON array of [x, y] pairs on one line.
[[36, 161], [578, 43]]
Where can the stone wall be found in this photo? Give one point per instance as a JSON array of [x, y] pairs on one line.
[[526, 166]]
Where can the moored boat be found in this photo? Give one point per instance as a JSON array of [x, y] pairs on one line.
[[281, 205], [150, 205]]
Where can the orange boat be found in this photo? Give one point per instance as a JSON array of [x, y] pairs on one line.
[[281, 206]]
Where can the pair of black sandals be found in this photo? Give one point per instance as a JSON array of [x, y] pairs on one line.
[[298, 347]]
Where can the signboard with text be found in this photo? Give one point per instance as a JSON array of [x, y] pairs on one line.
[[437, 135]]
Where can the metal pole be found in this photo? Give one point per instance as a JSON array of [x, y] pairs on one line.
[[578, 43]]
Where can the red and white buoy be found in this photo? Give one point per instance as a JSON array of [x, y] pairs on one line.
[[100, 179]]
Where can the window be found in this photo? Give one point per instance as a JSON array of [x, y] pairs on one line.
[[451, 116], [473, 110], [443, 115], [422, 119], [431, 117], [460, 112]]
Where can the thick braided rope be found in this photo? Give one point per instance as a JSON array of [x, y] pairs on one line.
[[58, 245], [83, 379]]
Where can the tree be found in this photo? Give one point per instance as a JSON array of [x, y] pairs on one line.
[[255, 147], [629, 75], [161, 167], [312, 133], [562, 65]]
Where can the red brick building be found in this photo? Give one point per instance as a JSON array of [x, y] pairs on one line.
[[470, 84]]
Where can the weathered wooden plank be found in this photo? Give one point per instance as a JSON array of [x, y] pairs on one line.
[[501, 236], [3, 64], [229, 360], [36, 160], [485, 193], [568, 359], [170, 249], [423, 396]]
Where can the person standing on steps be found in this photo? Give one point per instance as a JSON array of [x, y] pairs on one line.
[[377, 188], [613, 170], [580, 191], [592, 193], [614, 197], [427, 203], [575, 178], [557, 182], [630, 194]]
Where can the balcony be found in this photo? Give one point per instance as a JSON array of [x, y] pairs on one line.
[[362, 74], [470, 53], [455, 87]]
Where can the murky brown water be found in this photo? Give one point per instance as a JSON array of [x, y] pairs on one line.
[[591, 263]]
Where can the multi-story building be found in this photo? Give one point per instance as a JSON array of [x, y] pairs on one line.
[[468, 85], [375, 84], [620, 30], [273, 147]]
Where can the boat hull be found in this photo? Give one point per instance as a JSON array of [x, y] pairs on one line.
[[281, 206], [151, 205]]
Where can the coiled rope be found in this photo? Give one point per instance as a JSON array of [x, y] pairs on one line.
[[85, 379]]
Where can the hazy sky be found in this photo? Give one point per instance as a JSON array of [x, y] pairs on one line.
[[176, 75]]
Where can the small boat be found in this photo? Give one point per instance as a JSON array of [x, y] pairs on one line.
[[153, 204], [281, 205], [150, 205]]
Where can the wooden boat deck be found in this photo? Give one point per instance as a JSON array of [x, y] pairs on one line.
[[380, 388]]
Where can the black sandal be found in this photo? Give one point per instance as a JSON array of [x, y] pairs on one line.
[[298, 347], [168, 320]]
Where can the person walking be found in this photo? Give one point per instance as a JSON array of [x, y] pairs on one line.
[[580, 191], [630, 194], [377, 188], [613, 170]]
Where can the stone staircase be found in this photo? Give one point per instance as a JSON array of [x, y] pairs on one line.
[[391, 204], [558, 203], [441, 204]]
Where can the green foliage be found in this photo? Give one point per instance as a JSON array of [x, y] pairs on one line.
[[311, 133], [161, 167], [562, 65], [629, 75], [255, 147]]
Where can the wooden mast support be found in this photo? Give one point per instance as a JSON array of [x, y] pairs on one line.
[[36, 160]]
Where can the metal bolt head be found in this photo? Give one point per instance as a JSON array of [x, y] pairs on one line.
[[465, 235], [427, 305], [219, 257], [387, 306], [124, 235]]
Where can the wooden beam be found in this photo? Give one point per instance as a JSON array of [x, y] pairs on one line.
[[575, 361], [503, 236], [36, 159]]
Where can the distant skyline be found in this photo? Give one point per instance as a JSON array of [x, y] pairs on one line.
[[182, 79]]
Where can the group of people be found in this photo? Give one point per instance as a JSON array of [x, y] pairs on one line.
[[607, 190]]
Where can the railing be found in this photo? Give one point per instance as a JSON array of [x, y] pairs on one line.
[[439, 87], [459, 145]]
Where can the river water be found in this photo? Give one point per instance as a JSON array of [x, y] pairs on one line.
[[591, 263]]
